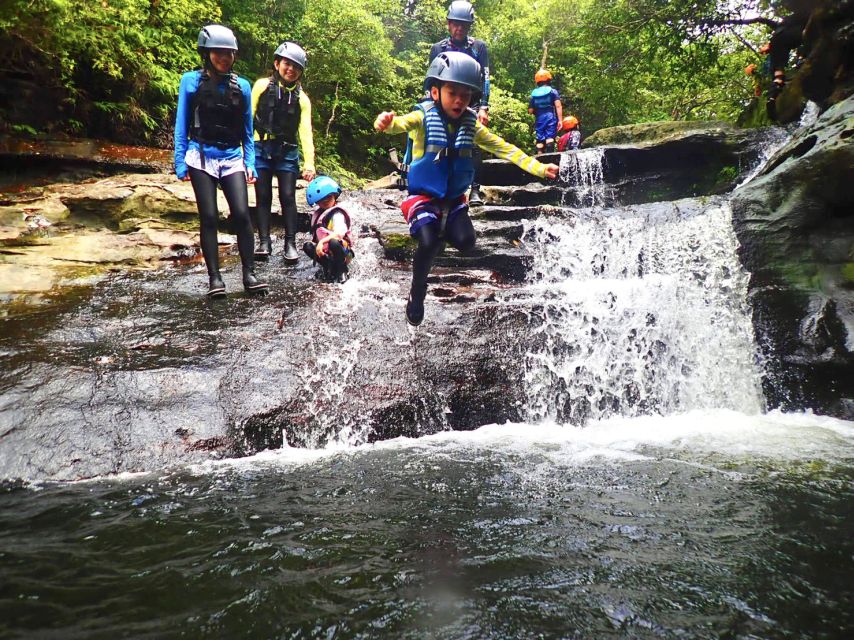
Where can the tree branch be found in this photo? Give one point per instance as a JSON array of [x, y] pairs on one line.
[[334, 106], [720, 22]]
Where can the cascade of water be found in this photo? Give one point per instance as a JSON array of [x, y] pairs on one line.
[[809, 115], [773, 140], [584, 170], [639, 310]]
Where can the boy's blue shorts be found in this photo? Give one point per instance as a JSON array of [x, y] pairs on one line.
[[545, 126]]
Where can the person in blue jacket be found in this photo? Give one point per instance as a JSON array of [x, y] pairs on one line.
[[214, 146], [547, 109], [460, 21]]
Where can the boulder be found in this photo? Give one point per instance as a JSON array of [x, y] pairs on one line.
[[651, 132], [794, 223]]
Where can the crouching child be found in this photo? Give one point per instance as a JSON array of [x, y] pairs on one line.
[[332, 244], [444, 131]]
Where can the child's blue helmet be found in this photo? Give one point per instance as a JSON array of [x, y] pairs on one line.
[[455, 66], [319, 188]]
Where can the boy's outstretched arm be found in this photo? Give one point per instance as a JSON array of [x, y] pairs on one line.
[[384, 120], [499, 147], [390, 122]]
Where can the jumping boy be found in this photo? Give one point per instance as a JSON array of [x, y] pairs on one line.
[[444, 132]]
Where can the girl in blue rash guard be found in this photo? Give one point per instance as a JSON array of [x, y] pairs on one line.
[[213, 145]]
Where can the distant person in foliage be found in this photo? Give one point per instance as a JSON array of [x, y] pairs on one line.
[[444, 133], [571, 138], [787, 36], [214, 146], [332, 245], [547, 109], [460, 21], [283, 129]]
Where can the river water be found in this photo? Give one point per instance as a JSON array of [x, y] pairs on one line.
[[647, 493]]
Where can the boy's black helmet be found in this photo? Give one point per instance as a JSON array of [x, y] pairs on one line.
[[461, 11], [455, 66], [216, 36]]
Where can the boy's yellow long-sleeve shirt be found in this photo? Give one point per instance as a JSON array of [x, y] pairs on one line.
[[304, 132], [413, 124]]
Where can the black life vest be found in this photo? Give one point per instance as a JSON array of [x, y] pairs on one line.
[[277, 115], [218, 117]]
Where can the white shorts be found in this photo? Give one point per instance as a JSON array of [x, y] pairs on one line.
[[218, 168]]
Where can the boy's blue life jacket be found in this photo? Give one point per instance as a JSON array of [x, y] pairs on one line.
[[446, 169], [218, 116], [542, 99]]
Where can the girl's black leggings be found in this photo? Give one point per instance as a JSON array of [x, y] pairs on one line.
[[287, 199], [234, 188]]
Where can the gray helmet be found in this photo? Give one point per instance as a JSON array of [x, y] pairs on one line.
[[461, 11], [216, 36], [293, 52], [455, 66]]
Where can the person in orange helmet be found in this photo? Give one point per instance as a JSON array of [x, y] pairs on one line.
[[547, 109], [751, 72], [571, 139]]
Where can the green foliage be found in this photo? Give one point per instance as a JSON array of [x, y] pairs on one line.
[[112, 67], [509, 118]]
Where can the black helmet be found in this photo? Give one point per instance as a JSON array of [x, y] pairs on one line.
[[461, 11], [293, 52], [216, 36], [455, 66]]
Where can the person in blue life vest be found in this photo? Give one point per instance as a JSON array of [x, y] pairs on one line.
[[332, 244], [460, 19], [547, 109], [282, 114], [444, 132], [571, 138], [214, 146]]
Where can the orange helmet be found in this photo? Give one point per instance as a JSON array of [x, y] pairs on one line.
[[569, 122], [750, 69], [543, 75]]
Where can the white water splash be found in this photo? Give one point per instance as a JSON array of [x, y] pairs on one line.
[[639, 310], [773, 140], [810, 114], [584, 171]]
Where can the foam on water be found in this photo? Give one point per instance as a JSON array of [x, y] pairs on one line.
[[693, 437]]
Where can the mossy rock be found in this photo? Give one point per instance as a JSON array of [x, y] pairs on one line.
[[650, 132], [398, 246]]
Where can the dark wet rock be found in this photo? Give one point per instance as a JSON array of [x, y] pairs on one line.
[[794, 225], [825, 74], [137, 372], [530, 196], [684, 162]]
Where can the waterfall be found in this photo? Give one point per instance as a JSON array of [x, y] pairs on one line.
[[584, 171], [638, 310]]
